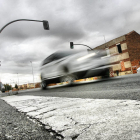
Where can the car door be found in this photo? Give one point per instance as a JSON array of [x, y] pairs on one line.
[[50, 69]]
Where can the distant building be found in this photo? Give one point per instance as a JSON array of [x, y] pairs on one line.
[[37, 85], [24, 86], [20, 86], [30, 85], [126, 50]]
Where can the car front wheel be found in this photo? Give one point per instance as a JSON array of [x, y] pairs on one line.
[[69, 79], [43, 85]]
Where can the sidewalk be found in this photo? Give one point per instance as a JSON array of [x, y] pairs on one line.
[[83, 119]]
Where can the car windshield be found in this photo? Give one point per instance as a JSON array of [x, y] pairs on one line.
[[58, 55]]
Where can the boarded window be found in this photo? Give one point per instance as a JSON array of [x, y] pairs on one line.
[[113, 50], [127, 64], [124, 46], [116, 67]]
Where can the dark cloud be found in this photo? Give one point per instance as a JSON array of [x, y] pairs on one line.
[[79, 21]]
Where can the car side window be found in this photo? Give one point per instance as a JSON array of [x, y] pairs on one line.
[[55, 56], [48, 59]]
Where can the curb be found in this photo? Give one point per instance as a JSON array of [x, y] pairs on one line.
[[8, 94]]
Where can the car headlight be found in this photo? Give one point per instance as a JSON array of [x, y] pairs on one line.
[[86, 56]]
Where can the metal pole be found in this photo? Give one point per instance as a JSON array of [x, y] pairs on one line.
[[6, 87], [45, 23], [105, 41], [0, 75], [33, 74], [84, 45], [11, 84], [18, 80]]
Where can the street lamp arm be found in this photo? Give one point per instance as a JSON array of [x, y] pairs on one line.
[[22, 20], [84, 45]]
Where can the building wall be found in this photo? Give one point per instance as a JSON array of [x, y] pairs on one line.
[[25, 86], [133, 40], [30, 85], [111, 43], [130, 45]]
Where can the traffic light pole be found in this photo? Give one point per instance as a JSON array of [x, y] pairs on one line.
[[45, 23], [72, 45], [84, 45]]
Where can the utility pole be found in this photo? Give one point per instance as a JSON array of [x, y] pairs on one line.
[[105, 41], [18, 80], [32, 73], [0, 65]]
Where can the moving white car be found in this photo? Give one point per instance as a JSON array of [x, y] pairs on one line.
[[67, 66]]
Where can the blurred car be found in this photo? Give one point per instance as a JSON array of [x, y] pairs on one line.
[[2, 88], [138, 70], [67, 66]]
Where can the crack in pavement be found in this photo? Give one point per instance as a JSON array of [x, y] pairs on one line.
[[84, 118]]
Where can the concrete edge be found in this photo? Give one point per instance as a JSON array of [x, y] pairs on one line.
[[8, 93]]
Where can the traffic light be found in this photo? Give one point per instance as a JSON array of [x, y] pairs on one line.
[[71, 45], [46, 25]]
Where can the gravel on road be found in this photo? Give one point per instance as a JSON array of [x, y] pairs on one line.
[[15, 125]]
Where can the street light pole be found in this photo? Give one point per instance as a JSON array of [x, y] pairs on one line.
[[18, 80], [32, 73], [45, 23], [0, 76], [11, 84]]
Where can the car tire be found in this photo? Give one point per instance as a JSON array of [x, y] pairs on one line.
[[43, 85], [68, 78]]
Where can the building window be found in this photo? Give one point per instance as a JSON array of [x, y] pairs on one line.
[[119, 48], [107, 51]]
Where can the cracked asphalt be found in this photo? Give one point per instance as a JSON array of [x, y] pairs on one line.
[[82, 119], [15, 125], [103, 110]]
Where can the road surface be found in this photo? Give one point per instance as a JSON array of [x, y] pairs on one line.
[[123, 87], [103, 110]]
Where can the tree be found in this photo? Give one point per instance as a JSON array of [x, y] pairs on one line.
[[7, 87], [16, 86]]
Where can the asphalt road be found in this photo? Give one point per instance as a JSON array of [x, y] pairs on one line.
[[122, 87], [74, 118]]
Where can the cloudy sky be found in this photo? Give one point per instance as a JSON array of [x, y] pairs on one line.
[[80, 21]]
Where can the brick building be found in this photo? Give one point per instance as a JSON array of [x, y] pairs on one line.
[[24, 86], [126, 52], [30, 85], [20, 86]]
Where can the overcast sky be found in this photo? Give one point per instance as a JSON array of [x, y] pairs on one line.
[[80, 21]]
